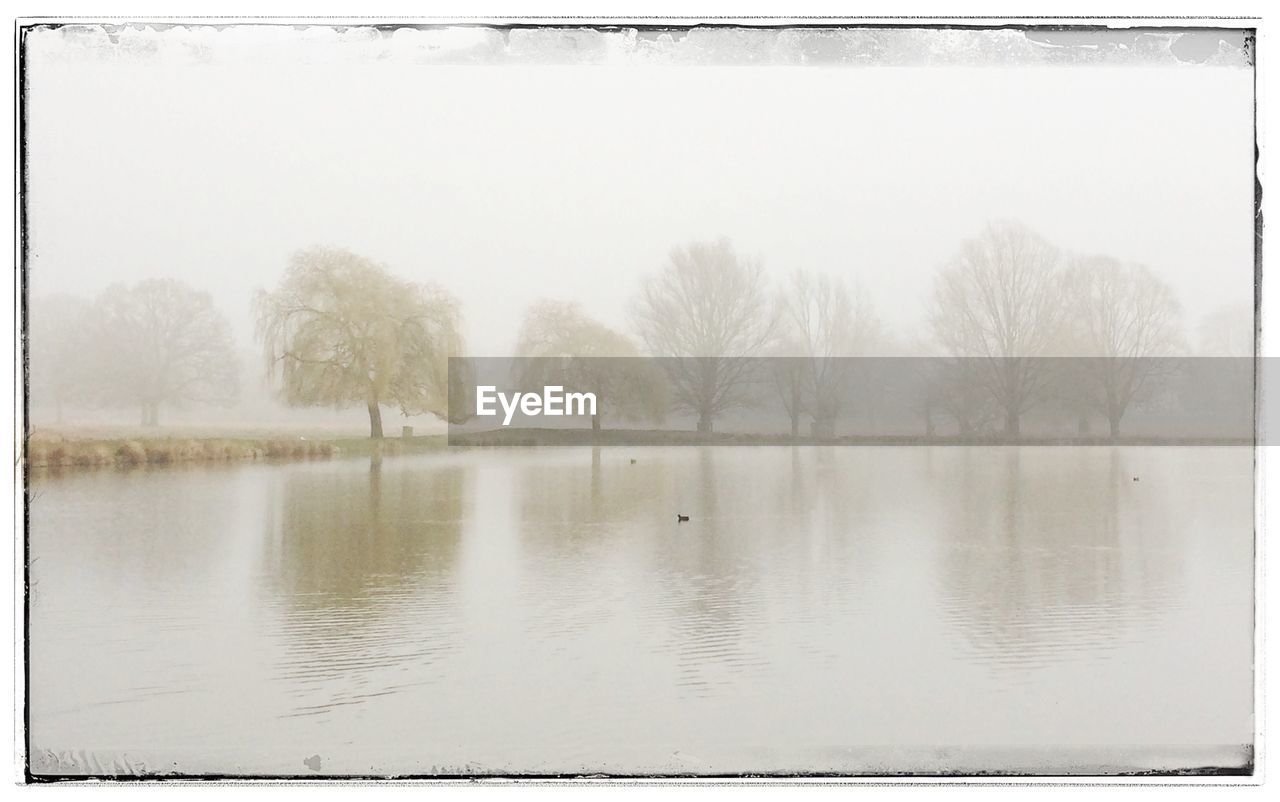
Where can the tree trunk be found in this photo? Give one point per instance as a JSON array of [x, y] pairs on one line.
[[1011, 428], [706, 392], [1114, 411], [595, 426], [375, 420], [824, 428], [150, 413], [795, 410]]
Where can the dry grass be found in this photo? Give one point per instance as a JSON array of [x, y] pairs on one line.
[[54, 451]]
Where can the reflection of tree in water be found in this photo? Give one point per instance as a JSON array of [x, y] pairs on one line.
[[825, 556], [1037, 567], [773, 555], [577, 521], [602, 529], [710, 567], [567, 506], [344, 536], [822, 504], [362, 561], [771, 566]]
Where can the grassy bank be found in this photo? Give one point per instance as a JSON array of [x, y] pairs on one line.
[[98, 450], [61, 451]]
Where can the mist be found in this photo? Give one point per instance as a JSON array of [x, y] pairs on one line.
[[410, 402], [213, 156]]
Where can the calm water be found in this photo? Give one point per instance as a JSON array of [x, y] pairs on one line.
[[837, 609]]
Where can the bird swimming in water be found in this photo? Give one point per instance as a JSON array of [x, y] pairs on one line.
[[681, 518], [1135, 478]]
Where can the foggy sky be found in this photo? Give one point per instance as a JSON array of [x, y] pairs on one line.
[[212, 157]]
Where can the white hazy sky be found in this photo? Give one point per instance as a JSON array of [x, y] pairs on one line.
[[510, 183]]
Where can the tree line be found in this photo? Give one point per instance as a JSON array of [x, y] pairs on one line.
[[1006, 302], [341, 330]]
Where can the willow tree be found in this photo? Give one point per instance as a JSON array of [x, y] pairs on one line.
[[341, 330], [560, 344]]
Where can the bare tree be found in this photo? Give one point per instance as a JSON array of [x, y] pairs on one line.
[[825, 323], [1228, 332], [58, 351], [1222, 384], [1124, 322], [341, 330], [562, 345], [159, 342], [710, 309], [998, 305], [956, 388]]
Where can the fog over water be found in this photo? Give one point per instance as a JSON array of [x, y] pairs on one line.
[[256, 253]]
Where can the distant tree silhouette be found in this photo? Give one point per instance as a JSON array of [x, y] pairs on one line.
[[824, 323], [999, 306], [711, 309], [58, 351], [159, 342], [560, 345], [1123, 323], [1227, 332]]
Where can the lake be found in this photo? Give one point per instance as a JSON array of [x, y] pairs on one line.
[[848, 610]]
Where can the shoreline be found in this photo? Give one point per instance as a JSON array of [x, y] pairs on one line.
[[531, 437], [69, 451], [58, 452]]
